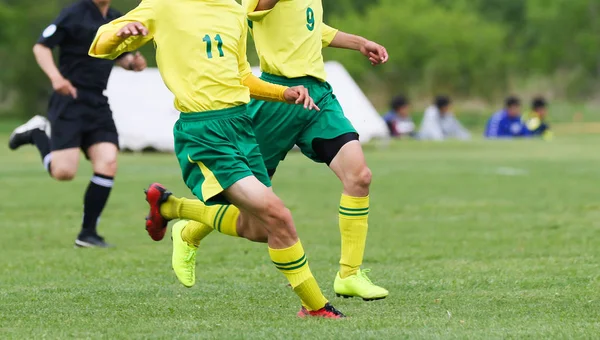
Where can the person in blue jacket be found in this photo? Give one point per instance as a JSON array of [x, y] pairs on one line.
[[507, 123]]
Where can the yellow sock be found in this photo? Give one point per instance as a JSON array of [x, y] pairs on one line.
[[225, 220], [194, 232], [354, 216], [293, 264], [171, 208], [222, 218]]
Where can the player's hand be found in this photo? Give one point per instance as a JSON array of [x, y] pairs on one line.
[[299, 95], [64, 87], [139, 62], [132, 29], [376, 53]]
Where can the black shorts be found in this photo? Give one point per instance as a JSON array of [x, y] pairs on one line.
[[327, 149], [81, 122]]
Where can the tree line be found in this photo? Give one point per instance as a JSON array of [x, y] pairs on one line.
[[465, 48]]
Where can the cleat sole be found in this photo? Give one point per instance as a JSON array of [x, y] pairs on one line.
[[364, 299], [374, 299]]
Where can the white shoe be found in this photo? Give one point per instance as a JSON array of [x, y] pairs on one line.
[[22, 134]]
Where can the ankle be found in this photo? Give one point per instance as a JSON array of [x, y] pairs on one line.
[[187, 237], [346, 271], [170, 209]]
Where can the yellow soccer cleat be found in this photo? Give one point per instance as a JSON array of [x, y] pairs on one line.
[[184, 256], [358, 285]]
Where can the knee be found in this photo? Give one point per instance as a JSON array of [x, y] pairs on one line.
[[254, 234], [279, 219], [360, 179], [251, 231], [285, 229], [106, 167], [364, 177], [63, 173]]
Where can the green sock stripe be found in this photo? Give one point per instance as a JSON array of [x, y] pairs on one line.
[[296, 267], [217, 216], [355, 214], [354, 209], [221, 219], [289, 263]]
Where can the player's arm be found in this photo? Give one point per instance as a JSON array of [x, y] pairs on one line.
[[131, 61], [45, 59], [258, 9], [264, 5], [125, 34], [262, 90], [332, 37], [53, 36]]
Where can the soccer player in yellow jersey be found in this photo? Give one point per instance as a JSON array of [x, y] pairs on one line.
[[201, 54], [289, 37]]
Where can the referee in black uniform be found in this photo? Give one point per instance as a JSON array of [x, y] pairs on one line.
[[79, 116]]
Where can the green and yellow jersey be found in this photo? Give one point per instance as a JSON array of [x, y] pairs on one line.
[[200, 49], [290, 37]]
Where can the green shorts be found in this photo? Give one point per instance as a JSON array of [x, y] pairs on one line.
[[280, 126], [215, 149]]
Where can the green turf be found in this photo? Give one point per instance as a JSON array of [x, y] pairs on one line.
[[473, 240]]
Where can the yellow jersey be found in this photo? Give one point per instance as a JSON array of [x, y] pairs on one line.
[[200, 49], [290, 37]]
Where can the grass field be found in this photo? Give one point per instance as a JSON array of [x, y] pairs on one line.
[[477, 240]]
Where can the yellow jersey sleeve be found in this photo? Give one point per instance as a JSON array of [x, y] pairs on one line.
[[262, 90], [244, 65], [328, 33], [250, 6], [107, 45]]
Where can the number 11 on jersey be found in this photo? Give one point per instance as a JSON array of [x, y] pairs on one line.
[[208, 42]]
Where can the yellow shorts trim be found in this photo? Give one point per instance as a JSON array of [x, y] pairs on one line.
[[210, 186]]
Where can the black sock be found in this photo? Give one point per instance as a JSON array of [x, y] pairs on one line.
[[95, 199], [41, 141]]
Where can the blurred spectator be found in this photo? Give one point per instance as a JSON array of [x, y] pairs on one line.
[[398, 119], [439, 122], [536, 119], [507, 123]]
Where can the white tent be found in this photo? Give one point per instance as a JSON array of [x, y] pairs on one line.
[[144, 113]]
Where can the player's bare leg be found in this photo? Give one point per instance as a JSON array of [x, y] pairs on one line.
[[259, 202], [350, 167], [104, 158], [63, 164], [251, 228]]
